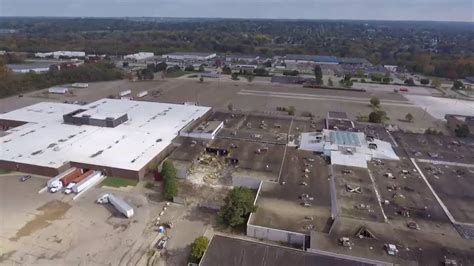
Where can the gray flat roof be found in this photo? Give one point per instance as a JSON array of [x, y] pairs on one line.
[[190, 53], [28, 66], [230, 251]]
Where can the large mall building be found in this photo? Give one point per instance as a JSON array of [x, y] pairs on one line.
[[118, 137]]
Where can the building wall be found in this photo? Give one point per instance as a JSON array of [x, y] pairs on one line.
[[33, 169], [275, 235]]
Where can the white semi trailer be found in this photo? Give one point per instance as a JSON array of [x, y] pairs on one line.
[[119, 204], [87, 182]]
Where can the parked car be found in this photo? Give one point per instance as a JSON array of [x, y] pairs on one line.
[[24, 178], [162, 242]]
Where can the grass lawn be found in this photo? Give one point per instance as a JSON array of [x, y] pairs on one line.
[[177, 74], [4, 171], [112, 181]]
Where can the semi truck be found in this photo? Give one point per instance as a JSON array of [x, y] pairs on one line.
[[142, 94], [90, 180], [119, 204], [56, 181]]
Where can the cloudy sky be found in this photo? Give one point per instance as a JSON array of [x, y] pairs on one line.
[[438, 10]]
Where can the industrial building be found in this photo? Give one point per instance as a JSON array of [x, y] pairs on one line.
[[62, 54], [33, 67], [224, 250], [139, 56], [189, 56], [116, 137]]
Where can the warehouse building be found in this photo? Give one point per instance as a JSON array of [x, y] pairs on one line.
[[27, 68], [62, 54], [139, 56], [119, 138], [189, 56]]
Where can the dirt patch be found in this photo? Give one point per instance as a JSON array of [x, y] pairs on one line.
[[5, 256], [49, 212]]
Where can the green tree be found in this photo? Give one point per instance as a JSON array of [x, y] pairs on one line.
[[330, 82], [409, 117], [291, 110], [318, 74], [462, 131], [424, 81], [360, 73], [376, 117], [162, 66], [291, 73], [201, 68], [170, 184], [410, 82], [374, 101], [458, 85], [198, 247], [226, 70], [189, 68], [260, 72], [436, 83], [267, 63], [238, 206]]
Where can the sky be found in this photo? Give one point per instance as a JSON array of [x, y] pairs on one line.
[[434, 10]]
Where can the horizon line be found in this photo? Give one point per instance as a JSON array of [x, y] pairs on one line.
[[241, 18]]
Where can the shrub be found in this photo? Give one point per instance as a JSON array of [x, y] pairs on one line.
[[198, 247]]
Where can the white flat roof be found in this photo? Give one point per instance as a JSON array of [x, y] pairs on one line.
[[46, 141]]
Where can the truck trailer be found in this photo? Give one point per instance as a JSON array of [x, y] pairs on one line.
[[90, 180], [82, 177], [125, 93], [71, 177], [142, 94], [119, 204]]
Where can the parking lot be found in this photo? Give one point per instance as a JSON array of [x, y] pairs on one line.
[[53, 229]]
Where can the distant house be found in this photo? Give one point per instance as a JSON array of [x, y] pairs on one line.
[[189, 56], [391, 68]]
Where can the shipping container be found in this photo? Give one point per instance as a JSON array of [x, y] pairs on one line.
[[58, 90], [125, 93], [121, 205], [88, 181], [80, 85], [142, 94], [82, 177], [71, 177], [57, 179]]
